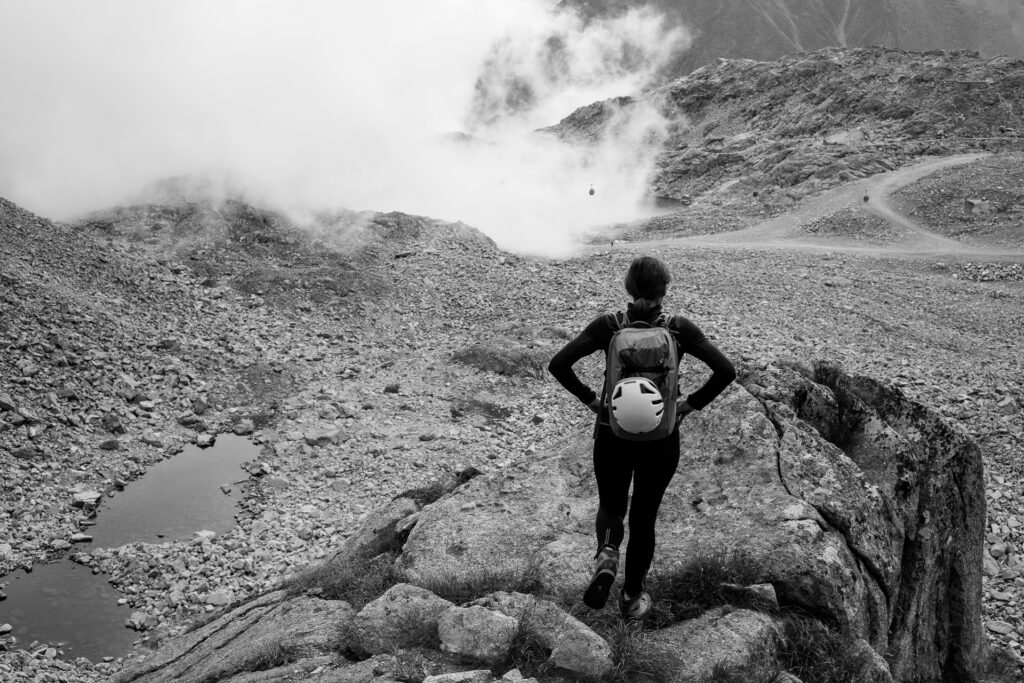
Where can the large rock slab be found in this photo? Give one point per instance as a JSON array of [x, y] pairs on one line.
[[919, 532], [247, 638], [855, 503]]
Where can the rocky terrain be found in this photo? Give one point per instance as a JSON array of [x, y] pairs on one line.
[[371, 354], [754, 138], [980, 204]]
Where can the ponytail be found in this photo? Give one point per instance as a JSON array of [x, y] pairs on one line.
[[641, 308]]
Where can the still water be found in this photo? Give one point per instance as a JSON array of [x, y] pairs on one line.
[[66, 605]]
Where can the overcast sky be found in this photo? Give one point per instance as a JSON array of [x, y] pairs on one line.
[[318, 104]]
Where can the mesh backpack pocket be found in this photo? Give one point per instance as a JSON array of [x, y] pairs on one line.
[[641, 380]]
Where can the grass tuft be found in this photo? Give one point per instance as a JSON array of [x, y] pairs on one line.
[[355, 580], [528, 653], [704, 584], [815, 653], [277, 654], [472, 586]]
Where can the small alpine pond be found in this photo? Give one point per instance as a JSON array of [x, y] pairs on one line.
[[68, 607]]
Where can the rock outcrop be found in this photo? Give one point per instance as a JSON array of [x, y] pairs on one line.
[[857, 505]]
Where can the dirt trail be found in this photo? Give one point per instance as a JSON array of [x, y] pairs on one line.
[[917, 240]]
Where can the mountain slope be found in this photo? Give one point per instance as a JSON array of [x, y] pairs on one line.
[[768, 29], [758, 136]]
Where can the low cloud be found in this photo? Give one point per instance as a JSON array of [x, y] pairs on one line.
[[315, 104]]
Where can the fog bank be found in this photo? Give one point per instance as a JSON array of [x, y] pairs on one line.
[[315, 104]]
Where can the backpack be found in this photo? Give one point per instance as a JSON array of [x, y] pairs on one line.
[[639, 350]]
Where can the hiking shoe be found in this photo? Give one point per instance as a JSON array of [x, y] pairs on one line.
[[600, 585], [635, 609]]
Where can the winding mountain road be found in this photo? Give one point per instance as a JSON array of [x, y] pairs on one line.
[[915, 240]]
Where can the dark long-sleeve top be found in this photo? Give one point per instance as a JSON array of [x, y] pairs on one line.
[[598, 334]]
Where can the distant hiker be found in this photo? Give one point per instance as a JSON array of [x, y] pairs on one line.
[[636, 437]]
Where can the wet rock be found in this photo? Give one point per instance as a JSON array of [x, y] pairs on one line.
[[86, 498], [81, 538], [141, 621], [243, 428]]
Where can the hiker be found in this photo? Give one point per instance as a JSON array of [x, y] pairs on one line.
[[618, 458]]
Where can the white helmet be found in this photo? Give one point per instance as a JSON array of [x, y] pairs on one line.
[[637, 405]]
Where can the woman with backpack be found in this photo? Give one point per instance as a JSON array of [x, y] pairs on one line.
[[636, 438]]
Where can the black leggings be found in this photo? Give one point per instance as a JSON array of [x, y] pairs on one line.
[[650, 466]]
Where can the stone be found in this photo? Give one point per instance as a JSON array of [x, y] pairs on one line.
[[1008, 406], [219, 598], [81, 538], [1000, 627], [7, 403], [322, 437], [404, 616], [112, 424], [5, 629], [141, 621], [86, 498], [243, 428], [379, 531], [278, 482], [572, 644], [27, 453], [477, 633], [720, 638], [60, 544], [205, 440], [110, 445], [151, 439]]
